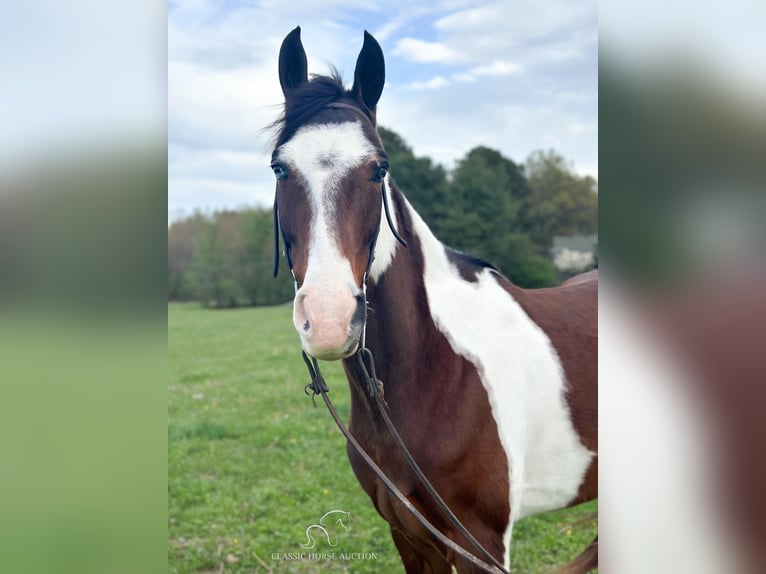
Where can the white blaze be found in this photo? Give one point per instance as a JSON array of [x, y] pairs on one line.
[[321, 156]]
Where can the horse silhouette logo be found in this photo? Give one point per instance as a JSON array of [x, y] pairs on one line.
[[327, 528]]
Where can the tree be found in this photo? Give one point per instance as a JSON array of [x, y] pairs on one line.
[[423, 182], [213, 271], [487, 203], [561, 203], [226, 260], [182, 237], [255, 255]]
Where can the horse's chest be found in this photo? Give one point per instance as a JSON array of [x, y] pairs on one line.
[[469, 472], [385, 503]]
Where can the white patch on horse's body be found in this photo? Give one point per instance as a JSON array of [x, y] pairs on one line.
[[522, 375]]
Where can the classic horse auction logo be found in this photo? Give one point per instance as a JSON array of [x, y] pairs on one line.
[[330, 520]]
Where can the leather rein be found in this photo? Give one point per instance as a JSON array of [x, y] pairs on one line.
[[374, 390]]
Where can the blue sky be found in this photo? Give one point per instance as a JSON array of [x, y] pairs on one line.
[[515, 76]]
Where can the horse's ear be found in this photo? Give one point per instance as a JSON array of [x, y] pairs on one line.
[[293, 68], [370, 73]]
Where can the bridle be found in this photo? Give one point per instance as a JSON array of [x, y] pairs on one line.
[[374, 390]]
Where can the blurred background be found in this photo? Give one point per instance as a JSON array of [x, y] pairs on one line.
[[682, 308], [83, 176]]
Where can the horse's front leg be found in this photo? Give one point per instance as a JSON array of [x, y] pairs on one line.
[[419, 558], [491, 540]]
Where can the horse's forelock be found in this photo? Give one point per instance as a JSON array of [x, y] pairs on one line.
[[308, 100]]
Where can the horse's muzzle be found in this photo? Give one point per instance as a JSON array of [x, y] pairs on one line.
[[329, 324]]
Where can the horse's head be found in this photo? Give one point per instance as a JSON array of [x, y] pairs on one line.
[[329, 165]]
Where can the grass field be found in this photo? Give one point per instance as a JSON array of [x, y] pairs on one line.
[[252, 464]]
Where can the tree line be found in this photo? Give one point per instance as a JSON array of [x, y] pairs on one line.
[[488, 206]]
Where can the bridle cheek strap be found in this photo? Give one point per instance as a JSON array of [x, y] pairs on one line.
[[277, 231], [387, 210]]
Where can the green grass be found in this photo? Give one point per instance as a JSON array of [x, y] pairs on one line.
[[251, 463]]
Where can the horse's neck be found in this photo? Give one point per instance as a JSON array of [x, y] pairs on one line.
[[399, 323]]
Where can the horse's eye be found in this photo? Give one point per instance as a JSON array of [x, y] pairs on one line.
[[280, 170], [379, 173]]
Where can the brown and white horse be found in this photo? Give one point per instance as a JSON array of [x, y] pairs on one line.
[[492, 387]]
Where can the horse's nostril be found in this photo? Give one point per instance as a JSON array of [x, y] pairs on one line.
[[306, 326], [359, 312]]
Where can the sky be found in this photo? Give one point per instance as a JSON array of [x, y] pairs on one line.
[[516, 76]]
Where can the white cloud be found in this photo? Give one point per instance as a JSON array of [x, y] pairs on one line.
[[497, 68], [578, 128], [421, 51], [401, 19], [472, 18], [213, 193], [587, 170], [465, 77], [548, 139], [537, 32], [432, 84], [222, 107]]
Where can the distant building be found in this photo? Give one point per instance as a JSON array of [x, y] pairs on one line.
[[575, 253]]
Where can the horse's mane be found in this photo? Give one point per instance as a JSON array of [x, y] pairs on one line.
[[307, 100], [468, 265]]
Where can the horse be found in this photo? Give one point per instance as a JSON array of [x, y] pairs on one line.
[[493, 388]]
